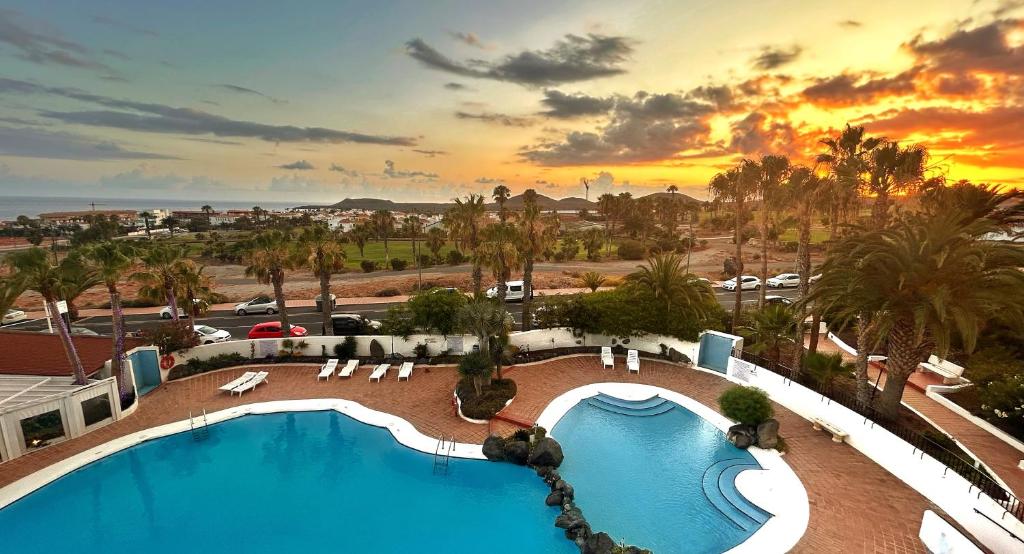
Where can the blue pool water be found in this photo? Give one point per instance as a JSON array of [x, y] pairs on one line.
[[654, 474], [294, 482]]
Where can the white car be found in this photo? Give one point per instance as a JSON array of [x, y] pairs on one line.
[[513, 292], [165, 313], [814, 278], [784, 280], [747, 282], [209, 335], [12, 316], [260, 304]]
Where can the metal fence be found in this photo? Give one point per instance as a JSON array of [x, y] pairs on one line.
[[968, 469]]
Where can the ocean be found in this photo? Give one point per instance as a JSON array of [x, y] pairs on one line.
[[13, 206]]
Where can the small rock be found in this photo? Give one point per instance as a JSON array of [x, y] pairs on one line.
[[768, 434], [568, 492], [567, 519], [579, 530], [544, 471], [552, 477], [742, 435], [554, 499], [558, 485], [517, 452], [599, 543], [547, 452], [494, 448]]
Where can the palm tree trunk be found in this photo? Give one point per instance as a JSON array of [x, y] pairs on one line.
[[419, 268], [812, 343], [803, 268], [69, 345], [906, 353], [478, 275], [117, 361], [527, 312], [764, 256], [738, 299], [861, 367], [387, 253], [278, 282], [172, 300], [325, 301]]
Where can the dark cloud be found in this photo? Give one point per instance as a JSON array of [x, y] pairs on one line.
[[758, 133], [850, 88], [340, 169], [393, 173], [159, 118], [774, 57], [455, 86], [722, 96], [574, 58], [214, 141], [430, 153], [850, 23], [248, 91], [301, 165], [962, 84], [469, 39], [566, 106], [984, 48], [44, 47], [991, 129], [122, 25], [39, 143], [496, 118]]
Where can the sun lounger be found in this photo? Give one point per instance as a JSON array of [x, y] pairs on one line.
[[245, 377], [379, 372], [327, 369], [349, 368], [607, 360], [633, 361], [251, 383], [405, 371]]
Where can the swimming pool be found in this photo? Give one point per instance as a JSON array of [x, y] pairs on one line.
[[288, 482], [652, 473]]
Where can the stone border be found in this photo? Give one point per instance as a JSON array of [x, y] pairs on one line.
[[403, 432], [775, 488]]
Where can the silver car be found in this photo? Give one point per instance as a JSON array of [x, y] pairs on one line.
[[258, 305]]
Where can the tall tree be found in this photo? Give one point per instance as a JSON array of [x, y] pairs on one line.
[[196, 286], [359, 235], [321, 253], [737, 185], [78, 278], [111, 260], [894, 170], [158, 276], [803, 190], [499, 250], [663, 276], [435, 242], [146, 218], [412, 226], [773, 169], [383, 225], [501, 195], [606, 205], [485, 319], [33, 270], [464, 221], [268, 256], [536, 234]]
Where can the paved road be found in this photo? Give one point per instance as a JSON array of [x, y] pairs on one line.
[[307, 317]]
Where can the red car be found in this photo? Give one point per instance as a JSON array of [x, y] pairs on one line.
[[272, 330]]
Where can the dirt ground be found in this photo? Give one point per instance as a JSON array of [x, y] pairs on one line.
[[230, 279]]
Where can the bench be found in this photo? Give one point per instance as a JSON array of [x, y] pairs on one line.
[[838, 435], [951, 373]]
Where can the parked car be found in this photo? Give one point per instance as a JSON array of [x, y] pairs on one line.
[[165, 313], [353, 324], [12, 316], [209, 335], [783, 280], [272, 330], [814, 278], [513, 292], [775, 299], [748, 282], [260, 304]]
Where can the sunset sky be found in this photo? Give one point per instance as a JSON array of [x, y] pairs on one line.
[[430, 100]]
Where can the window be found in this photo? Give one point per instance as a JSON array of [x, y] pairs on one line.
[[516, 288], [96, 409], [39, 430]]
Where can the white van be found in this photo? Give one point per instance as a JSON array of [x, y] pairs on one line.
[[514, 292]]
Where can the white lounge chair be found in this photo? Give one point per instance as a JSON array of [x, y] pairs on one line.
[[327, 369], [260, 377], [633, 361], [232, 384], [405, 371], [607, 360], [349, 368], [379, 372]]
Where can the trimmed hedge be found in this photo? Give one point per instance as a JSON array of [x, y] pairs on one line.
[[195, 367], [749, 405], [492, 399]]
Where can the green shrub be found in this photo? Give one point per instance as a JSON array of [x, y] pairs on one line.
[[391, 291], [172, 336], [748, 405], [426, 260], [421, 350], [398, 264], [631, 250], [346, 349], [368, 266], [195, 367], [455, 257]]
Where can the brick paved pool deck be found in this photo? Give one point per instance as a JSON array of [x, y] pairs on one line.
[[855, 505]]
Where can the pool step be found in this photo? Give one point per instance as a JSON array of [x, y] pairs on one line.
[[719, 484], [639, 408]]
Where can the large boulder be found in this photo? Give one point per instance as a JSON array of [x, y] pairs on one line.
[[742, 435], [768, 434], [677, 356], [547, 452], [517, 452], [494, 448], [599, 543], [554, 499], [376, 350], [579, 531], [569, 517]]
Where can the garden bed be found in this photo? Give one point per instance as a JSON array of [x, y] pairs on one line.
[[969, 399], [493, 397]]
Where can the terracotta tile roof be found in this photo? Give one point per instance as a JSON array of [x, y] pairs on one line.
[[28, 353]]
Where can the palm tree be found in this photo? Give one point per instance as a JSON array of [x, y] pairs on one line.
[[672, 189], [78, 277], [773, 169], [323, 256], [196, 286], [269, 254], [501, 195], [664, 278], [463, 221], [383, 225], [894, 170], [803, 190], [33, 270], [484, 319], [499, 250], [925, 280], [606, 205], [769, 328], [256, 211], [737, 185], [10, 290], [158, 279], [359, 235], [412, 225], [826, 368], [111, 261], [536, 234], [592, 280], [146, 217], [435, 242], [208, 210]]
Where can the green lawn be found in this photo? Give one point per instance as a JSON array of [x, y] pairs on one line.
[[817, 236], [400, 248]]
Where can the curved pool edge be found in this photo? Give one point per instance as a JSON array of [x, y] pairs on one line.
[[403, 432], [775, 487]]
